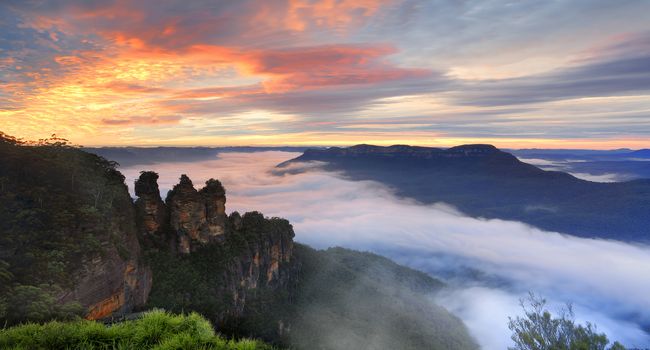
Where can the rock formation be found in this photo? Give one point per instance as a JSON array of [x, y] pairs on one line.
[[258, 250], [196, 217], [187, 214], [214, 197], [72, 241], [255, 252], [151, 212]]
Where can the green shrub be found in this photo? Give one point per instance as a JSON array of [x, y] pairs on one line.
[[157, 330], [539, 330]]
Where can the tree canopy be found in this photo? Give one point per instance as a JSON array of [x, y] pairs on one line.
[[538, 329]]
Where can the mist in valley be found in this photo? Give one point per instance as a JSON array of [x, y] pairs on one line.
[[489, 264]]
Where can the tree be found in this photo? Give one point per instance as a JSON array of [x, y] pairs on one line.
[[539, 330]]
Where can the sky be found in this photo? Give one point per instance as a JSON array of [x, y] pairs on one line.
[[517, 74]]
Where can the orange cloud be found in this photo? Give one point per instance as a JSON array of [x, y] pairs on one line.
[[151, 23], [320, 66], [338, 15], [133, 88], [162, 120], [297, 68]]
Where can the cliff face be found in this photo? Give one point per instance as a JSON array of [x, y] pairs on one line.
[[114, 281], [214, 198], [68, 235], [246, 254], [151, 212], [72, 242], [262, 263], [196, 217]]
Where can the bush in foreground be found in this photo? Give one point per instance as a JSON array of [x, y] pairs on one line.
[[539, 330], [155, 330]]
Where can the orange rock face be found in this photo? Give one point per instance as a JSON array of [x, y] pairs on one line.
[[116, 280], [106, 307], [196, 217]]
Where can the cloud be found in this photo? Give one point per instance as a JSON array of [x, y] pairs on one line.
[[604, 279], [567, 167], [623, 68], [324, 65], [607, 177], [320, 66], [174, 25], [133, 88], [198, 58], [169, 119]]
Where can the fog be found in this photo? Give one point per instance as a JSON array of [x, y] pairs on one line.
[[607, 281], [565, 166]]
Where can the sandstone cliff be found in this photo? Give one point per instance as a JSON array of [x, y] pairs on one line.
[[246, 255], [115, 280], [152, 215], [68, 236]]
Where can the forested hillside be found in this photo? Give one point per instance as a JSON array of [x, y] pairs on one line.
[[68, 241]]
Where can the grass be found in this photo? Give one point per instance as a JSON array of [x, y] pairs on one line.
[[157, 330]]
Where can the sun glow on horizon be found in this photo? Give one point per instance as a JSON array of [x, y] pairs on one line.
[[320, 73]]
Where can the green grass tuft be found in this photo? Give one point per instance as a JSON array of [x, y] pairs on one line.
[[157, 330]]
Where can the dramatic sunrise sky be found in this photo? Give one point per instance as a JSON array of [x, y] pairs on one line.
[[547, 73]]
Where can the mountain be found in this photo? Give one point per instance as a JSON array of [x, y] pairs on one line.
[[483, 181], [582, 154], [642, 153], [130, 156], [611, 165], [74, 244]]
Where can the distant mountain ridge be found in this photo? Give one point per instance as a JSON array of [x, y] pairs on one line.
[[404, 150], [484, 181], [619, 165], [621, 153], [130, 156], [642, 153]]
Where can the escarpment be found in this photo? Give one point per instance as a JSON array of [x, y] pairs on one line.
[[113, 280], [68, 236], [233, 258], [74, 243]]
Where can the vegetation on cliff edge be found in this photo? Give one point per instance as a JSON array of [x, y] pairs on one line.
[[155, 330], [60, 206], [338, 299]]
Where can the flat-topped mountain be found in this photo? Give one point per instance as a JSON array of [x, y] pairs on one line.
[[484, 181], [404, 151]]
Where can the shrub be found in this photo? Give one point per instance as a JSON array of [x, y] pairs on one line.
[[157, 330], [539, 330]]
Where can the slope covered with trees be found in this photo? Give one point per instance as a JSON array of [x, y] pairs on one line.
[[68, 239], [340, 299]]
